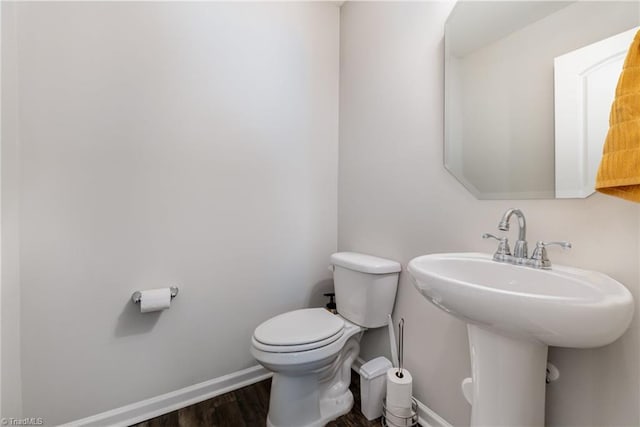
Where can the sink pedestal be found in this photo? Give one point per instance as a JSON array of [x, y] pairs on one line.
[[508, 379]]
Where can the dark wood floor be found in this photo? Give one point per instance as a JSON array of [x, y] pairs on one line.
[[247, 407]]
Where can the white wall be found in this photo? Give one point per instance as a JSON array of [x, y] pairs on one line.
[[0, 233], [178, 143], [167, 143], [397, 200], [10, 375]]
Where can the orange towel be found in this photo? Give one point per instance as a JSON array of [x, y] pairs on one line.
[[619, 172]]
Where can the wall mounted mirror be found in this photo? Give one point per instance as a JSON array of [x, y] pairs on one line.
[[528, 88]]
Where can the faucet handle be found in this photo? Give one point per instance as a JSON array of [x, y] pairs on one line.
[[493, 236], [539, 257], [503, 248], [564, 245]]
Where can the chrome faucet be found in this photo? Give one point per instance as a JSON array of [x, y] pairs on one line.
[[503, 253], [520, 249], [539, 259]]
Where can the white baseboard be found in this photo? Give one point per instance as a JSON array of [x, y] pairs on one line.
[[165, 403], [426, 416]]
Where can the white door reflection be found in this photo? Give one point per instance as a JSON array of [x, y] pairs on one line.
[[585, 83]]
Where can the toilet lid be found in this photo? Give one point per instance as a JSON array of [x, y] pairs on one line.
[[299, 327]]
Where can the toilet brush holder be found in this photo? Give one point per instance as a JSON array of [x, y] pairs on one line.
[[391, 417]]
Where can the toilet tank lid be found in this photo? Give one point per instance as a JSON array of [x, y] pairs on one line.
[[365, 263]]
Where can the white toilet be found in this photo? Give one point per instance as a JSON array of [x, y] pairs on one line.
[[310, 351]]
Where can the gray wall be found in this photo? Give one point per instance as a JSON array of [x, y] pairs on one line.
[[11, 374], [150, 147], [163, 143], [397, 200]]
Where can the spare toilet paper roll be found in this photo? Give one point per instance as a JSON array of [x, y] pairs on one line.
[[155, 300], [399, 392]]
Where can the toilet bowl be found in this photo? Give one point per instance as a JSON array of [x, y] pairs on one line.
[[311, 370], [311, 351]]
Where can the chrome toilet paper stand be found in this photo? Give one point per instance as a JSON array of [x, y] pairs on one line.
[[391, 419], [137, 295]]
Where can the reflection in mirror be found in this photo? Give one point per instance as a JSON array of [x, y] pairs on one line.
[[585, 81], [499, 93]]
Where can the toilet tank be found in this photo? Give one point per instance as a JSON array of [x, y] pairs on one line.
[[365, 287]]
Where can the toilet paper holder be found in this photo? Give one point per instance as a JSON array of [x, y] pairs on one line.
[[135, 297]]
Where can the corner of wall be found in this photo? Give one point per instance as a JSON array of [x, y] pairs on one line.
[[10, 343]]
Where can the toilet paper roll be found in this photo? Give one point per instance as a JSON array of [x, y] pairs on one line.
[[399, 392], [155, 300]]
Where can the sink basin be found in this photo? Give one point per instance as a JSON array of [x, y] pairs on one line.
[[565, 307], [513, 314]]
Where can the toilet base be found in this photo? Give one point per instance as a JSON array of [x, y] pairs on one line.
[[313, 399], [330, 409]]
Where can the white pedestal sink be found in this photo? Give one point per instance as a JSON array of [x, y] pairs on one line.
[[514, 313]]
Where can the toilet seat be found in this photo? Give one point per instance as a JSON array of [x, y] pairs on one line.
[[283, 359], [298, 330], [296, 348]]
